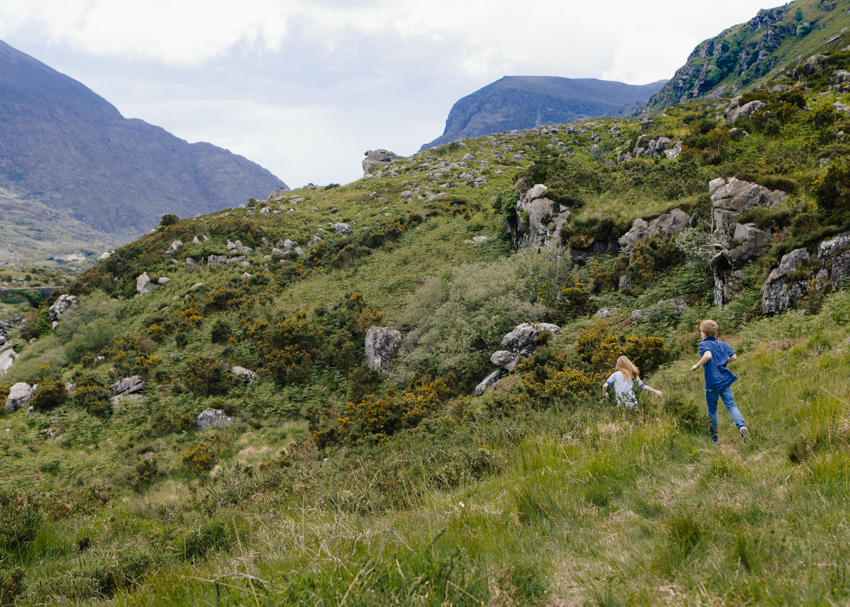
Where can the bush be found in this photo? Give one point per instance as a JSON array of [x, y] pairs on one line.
[[11, 585], [20, 520], [685, 413], [220, 332], [169, 219], [93, 398], [50, 394], [199, 458], [206, 376], [91, 339], [832, 191]]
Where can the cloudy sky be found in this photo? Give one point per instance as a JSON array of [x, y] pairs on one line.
[[305, 87]]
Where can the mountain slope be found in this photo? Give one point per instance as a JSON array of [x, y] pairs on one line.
[[64, 145], [746, 55], [523, 102]]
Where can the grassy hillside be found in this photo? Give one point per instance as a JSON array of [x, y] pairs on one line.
[[337, 484]]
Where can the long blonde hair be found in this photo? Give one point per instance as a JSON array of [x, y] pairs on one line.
[[627, 368]]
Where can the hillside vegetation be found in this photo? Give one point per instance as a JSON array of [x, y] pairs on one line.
[[337, 484]]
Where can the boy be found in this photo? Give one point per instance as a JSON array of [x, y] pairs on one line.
[[718, 378]]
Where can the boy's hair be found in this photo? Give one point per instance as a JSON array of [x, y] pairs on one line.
[[709, 327], [627, 368]]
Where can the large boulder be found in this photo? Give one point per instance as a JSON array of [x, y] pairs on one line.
[[212, 418], [243, 372], [62, 305], [377, 159], [488, 381], [539, 219], [732, 197], [781, 291], [128, 385], [19, 395], [505, 360], [524, 339], [670, 223], [381, 345], [342, 228], [735, 112], [144, 284]]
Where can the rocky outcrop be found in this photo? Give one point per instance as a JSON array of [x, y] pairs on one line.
[[732, 197], [524, 339], [781, 291], [212, 418], [670, 223], [735, 112], [19, 395], [217, 260], [128, 385], [662, 147], [62, 305], [381, 345], [505, 360], [539, 219], [668, 306], [488, 382], [243, 372], [342, 228], [377, 159]]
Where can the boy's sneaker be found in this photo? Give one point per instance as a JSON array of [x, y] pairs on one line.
[[745, 434]]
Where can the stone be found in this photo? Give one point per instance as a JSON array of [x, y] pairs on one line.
[[606, 312], [376, 160], [733, 114], [19, 395], [245, 276], [840, 269], [776, 294], [381, 344], [265, 210], [342, 228], [732, 197], [69, 387], [62, 305], [243, 372], [287, 244], [756, 242], [670, 223], [488, 382], [196, 240], [163, 280], [105, 255], [524, 338], [144, 284], [128, 385], [675, 305], [191, 262], [625, 282], [174, 246], [505, 360], [840, 76], [212, 418], [812, 65]]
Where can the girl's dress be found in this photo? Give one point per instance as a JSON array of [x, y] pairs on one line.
[[624, 389]]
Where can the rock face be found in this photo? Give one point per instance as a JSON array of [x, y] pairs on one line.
[[488, 382], [381, 345], [669, 223], [539, 220], [776, 293], [505, 360], [243, 372], [732, 197], [524, 102], [19, 395], [523, 340], [377, 159], [128, 385], [212, 418], [674, 306], [62, 305]]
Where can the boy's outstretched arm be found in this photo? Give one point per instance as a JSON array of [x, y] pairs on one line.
[[705, 358]]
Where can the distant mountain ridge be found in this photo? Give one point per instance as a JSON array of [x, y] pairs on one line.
[[64, 145], [523, 102]]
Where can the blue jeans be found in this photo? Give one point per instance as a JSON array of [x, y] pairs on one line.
[[729, 401]]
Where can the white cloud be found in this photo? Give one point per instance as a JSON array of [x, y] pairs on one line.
[[635, 62]]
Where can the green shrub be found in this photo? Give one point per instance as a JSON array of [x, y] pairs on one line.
[[90, 339], [11, 584], [93, 398], [832, 191], [685, 413], [50, 394], [20, 520], [199, 458], [169, 219], [220, 332], [207, 376]]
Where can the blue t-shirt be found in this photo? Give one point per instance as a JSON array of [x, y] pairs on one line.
[[717, 376]]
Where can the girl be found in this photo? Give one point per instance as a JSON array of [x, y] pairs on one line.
[[624, 378]]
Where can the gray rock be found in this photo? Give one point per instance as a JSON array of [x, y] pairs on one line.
[[381, 344], [840, 269], [174, 246], [196, 240], [62, 305], [163, 280], [670, 223], [488, 382], [265, 210], [245, 276], [144, 284], [243, 372], [756, 244], [19, 395], [505, 360], [744, 111], [128, 385], [376, 160], [212, 418], [69, 387], [342, 228], [732, 197], [840, 76], [606, 312], [288, 244], [776, 294], [675, 305], [625, 282], [524, 338], [191, 262]]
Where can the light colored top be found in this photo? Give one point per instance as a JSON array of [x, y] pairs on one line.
[[624, 388]]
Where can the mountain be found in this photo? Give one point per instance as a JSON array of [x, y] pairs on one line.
[[523, 102], [62, 144], [765, 48]]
